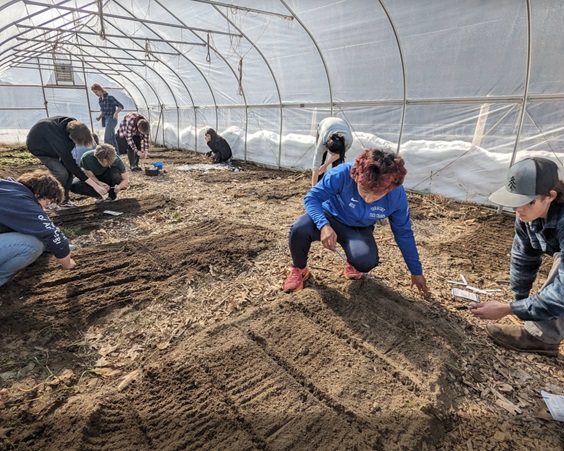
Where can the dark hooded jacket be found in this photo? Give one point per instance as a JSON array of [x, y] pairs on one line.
[[49, 138], [219, 147]]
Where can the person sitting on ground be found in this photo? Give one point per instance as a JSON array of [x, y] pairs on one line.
[[133, 138], [78, 151], [25, 229], [52, 140], [536, 194], [105, 169], [334, 137], [344, 207], [220, 150]]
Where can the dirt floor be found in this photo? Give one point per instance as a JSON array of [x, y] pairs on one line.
[[173, 332]]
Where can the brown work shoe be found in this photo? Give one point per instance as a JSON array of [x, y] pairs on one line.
[[518, 339], [352, 273], [296, 279]]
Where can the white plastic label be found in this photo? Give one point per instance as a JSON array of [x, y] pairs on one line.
[[555, 404], [465, 294]]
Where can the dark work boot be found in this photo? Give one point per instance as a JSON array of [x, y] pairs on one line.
[[518, 339]]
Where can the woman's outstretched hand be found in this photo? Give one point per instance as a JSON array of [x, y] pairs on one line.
[[420, 283]]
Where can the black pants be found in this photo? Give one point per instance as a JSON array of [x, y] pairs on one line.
[[125, 148], [111, 177], [60, 172]]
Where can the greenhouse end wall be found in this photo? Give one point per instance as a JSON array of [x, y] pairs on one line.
[[461, 89]]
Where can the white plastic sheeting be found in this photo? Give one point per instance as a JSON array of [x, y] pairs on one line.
[[460, 88]]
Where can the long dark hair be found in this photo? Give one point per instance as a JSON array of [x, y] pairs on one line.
[[336, 145], [213, 134]]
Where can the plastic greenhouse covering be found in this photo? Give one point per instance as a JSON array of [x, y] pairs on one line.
[[460, 88]]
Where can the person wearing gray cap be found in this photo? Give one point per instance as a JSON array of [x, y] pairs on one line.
[[536, 194]]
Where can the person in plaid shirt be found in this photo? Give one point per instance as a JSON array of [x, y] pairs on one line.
[[134, 136], [534, 191], [109, 110]]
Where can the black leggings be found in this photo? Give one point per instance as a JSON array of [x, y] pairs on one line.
[[358, 242], [110, 177]]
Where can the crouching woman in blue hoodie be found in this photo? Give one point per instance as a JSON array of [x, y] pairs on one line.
[[344, 207], [25, 229]]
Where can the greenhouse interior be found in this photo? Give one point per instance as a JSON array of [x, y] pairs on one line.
[[461, 89]]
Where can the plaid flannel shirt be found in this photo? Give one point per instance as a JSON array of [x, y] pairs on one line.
[[128, 129], [108, 104], [531, 241]]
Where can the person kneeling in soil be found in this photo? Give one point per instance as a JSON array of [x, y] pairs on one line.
[[25, 229], [344, 207], [536, 195], [106, 169], [220, 150], [52, 140]]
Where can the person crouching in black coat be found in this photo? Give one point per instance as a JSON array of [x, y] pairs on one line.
[[220, 151]]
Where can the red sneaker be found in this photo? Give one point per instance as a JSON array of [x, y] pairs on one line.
[[296, 279], [352, 273]]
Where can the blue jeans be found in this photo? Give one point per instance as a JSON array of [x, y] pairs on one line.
[[110, 131], [16, 252], [358, 242], [550, 331]]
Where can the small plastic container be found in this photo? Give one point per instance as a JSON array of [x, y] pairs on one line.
[[158, 165]]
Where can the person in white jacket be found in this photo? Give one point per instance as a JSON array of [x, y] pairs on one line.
[[334, 136]]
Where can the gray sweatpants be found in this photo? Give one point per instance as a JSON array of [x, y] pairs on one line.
[[550, 331]]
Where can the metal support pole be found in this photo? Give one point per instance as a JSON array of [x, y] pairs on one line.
[[163, 122], [195, 129], [178, 127], [87, 98], [481, 125], [45, 102]]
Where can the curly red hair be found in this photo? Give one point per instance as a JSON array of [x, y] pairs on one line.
[[376, 170]]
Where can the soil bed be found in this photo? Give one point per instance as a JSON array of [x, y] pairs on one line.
[[173, 332]]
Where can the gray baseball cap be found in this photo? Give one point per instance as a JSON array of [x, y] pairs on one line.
[[526, 179]]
